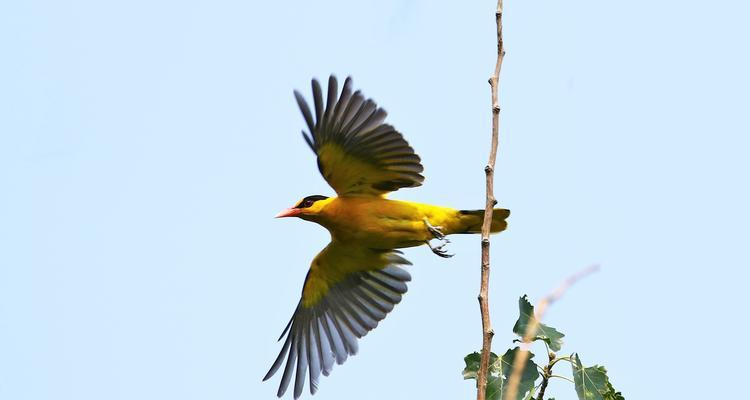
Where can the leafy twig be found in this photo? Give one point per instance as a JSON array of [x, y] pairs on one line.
[[533, 324], [489, 170]]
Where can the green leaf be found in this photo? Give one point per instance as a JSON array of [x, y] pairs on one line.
[[543, 332], [591, 382], [472, 364], [529, 374], [499, 372], [612, 394], [531, 394], [494, 386], [494, 377]]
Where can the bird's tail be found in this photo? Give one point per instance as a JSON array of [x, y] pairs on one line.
[[470, 221]]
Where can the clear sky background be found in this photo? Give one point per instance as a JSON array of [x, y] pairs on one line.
[[145, 147]]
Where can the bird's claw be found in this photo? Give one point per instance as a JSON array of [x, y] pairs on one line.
[[438, 234], [439, 249]]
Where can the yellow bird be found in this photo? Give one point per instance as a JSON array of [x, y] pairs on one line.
[[357, 279]]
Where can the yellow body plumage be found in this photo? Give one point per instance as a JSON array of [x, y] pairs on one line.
[[380, 223]]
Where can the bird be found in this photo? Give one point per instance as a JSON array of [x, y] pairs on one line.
[[358, 278]]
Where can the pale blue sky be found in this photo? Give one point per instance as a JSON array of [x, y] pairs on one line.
[[145, 147]]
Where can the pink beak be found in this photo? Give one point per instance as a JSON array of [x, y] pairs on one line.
[[289, 212]]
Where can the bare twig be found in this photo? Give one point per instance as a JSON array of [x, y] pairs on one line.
[[539, 310], [489, 170]]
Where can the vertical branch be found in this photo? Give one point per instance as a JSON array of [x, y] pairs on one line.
[[489, 170]]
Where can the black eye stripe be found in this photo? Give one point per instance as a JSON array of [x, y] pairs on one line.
[[309, 201]]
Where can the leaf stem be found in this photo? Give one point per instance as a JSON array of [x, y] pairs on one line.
[[564, 358], [562, 377]]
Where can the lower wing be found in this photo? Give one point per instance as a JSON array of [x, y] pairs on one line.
[[348, 290]]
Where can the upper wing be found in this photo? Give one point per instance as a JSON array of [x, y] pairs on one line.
[[346, 293], [357, 153]]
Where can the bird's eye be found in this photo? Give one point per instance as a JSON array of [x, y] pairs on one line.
[[308, 203]]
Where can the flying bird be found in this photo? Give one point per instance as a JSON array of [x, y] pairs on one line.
[[358, 277]]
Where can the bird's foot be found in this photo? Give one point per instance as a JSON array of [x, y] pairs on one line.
[[439, 249], [437, 233]]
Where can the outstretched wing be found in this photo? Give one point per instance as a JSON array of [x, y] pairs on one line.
[[346, 293], [357, 153]]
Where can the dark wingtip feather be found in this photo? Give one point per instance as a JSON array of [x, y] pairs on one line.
[[287, 376], [299, 380], [318, 101], [333, 92], [286, 329], [305, 109], [308, 140]]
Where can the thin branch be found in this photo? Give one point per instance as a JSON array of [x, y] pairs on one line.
[[541, 307], [484, 308], [545, 381], [546, 373]]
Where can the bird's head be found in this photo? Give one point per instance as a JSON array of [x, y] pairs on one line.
[[308, 208]]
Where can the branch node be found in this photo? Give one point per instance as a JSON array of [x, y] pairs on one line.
[[496, 109], [488, 169]]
